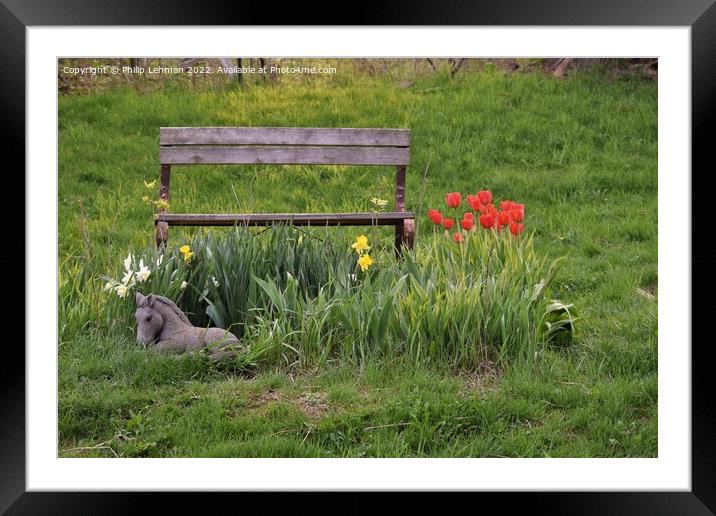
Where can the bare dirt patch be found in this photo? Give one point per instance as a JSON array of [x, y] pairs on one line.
[[262, 398], [313, 404], [481, 379], [649, 291]]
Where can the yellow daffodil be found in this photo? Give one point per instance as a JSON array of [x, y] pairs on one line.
[[365, 261], [361, 244], [150, 185], [379, 203], [186, 251]]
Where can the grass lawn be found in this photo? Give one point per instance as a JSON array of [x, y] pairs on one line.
[[581, 153]]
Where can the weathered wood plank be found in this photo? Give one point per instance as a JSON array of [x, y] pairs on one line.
[[287, 155], [283, 136], [296, 219]]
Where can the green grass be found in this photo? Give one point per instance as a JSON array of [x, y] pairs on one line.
[[580, 153]]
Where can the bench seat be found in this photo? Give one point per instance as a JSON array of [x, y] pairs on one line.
[[391, 218]]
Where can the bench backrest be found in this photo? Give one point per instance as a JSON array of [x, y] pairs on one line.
[[288, 146], [283, 145]]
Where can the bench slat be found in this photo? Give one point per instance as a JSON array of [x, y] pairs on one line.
[[286, 155], [283, 136], [296, 219]]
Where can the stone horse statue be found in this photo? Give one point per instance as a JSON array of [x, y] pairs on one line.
[[162, 326]]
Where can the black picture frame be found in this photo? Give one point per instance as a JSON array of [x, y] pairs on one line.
[[699, 15]]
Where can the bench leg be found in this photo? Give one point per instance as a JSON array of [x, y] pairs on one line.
[[409, 233], [162, 234], [404, 236], [163, 227]]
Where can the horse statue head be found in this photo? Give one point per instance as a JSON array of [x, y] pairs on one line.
[[149, 319]]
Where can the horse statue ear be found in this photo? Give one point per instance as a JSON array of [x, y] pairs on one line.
[[139, 298], [150, 300]]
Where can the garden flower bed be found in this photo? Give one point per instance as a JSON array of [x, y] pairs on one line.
[[480, 295]]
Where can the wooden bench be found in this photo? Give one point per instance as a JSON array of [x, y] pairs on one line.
[[287, 146]]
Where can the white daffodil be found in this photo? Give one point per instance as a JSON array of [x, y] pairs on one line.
[[121, 290], [129, 277], [108, 286], [128, 262], [160, 260], [183, 285], [143, 273], [216, 283]]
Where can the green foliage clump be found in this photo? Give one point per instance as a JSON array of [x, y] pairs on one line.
[[292, 294]]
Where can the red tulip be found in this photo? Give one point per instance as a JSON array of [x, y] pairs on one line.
[[485, 196], [457, 237], [489, 209], [448, 223], [468, 223], [474, 202], [516, 228], [517, 212], [506, 205], [453, 199], [435, 216], [503, 219], [487, 220]]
